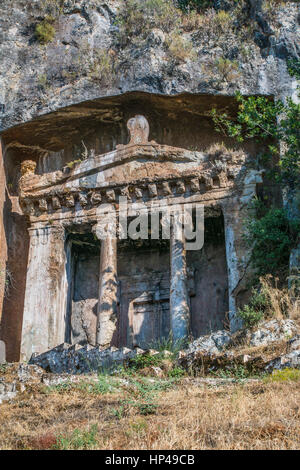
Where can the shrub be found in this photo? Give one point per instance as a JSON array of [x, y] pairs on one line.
[[250, 316], [227, 69], [189, 5], [294, 68], [142, 361], [45, 31], [268, 300], [261, 119], [271, 237], [176, 373]]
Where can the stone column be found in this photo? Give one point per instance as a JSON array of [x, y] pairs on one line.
[[179, 302], [238, 258], [108, 291], [46, 292]]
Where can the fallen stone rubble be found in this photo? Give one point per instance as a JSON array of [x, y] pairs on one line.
[[274, 345], [77, 359], [221, 350]]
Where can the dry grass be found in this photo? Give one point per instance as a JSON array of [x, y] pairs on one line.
[[281, 303], [256, 415]]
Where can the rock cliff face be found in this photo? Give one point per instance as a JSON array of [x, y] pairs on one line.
[[70, 68], [72, 73]]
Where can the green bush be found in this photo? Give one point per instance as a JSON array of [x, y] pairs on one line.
[[176, 373], [141, 361], [254, 312], [271, 237], [294, 68], [45, 31], [250, 316], [271, 122]]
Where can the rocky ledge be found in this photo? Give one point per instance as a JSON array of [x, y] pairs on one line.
[[273, 345]]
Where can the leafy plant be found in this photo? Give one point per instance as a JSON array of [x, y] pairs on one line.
[[294, 68], [141, 361], [255, 310], [262, 119], [176, 373], [271, 236], [237, 371], [45, 31], [250, 316]]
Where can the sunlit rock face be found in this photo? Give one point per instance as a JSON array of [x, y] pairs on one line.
[[36, 79]]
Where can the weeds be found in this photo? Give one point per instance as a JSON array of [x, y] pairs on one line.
[[45, 31], [237, 372], [79, 439], [284, 375], [137, 18], [102, 68], [179, 47]]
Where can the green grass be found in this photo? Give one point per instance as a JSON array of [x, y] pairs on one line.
[[105, 384], [79, 439], [238, 372]]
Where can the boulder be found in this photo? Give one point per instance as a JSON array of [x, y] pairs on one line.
[[274, 330]]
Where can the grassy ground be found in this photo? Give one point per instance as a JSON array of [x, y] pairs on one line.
[[142, 413]]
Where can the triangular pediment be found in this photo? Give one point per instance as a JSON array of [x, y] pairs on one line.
[[139, 160], [140, 170]]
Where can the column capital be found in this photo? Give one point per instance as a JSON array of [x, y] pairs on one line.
[[49, 233]]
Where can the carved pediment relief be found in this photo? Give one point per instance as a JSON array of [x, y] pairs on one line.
[[138, 170]]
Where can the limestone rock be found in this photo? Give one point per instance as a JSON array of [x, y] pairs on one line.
[[14, 378], [290, 360], [274, 330], [207, 352], [64, 71], [210, 344]]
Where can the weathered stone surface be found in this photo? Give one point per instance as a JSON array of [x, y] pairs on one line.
[[15, 377], [68, 178], [207, 352], [2, 352], [274, 330], [290, 360], [210, 344], [49, 79]]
